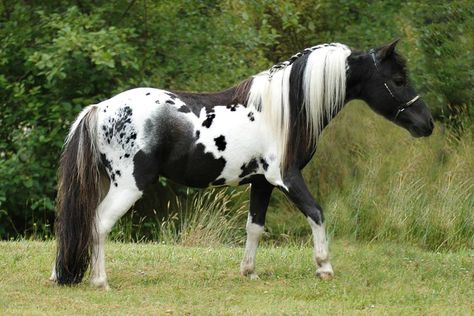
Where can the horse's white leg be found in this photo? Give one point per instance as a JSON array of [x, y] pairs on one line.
[[254, 232], [300, 195], [53, 273], [260, 193], [116, 203], [321, 252]]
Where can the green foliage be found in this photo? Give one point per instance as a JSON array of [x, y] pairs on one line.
[[442, 34]]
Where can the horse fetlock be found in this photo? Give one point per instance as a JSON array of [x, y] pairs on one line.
[[53, 277], [321, 259], [249, 273], [247, 267]]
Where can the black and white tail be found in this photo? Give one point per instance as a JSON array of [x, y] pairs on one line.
[[78, 198]]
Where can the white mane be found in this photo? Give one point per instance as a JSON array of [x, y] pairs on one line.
[[324, 88]]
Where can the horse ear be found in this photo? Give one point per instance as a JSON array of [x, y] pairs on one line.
[[387, 50]]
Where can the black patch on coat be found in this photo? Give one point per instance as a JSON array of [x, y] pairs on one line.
[[148, 93], [169, 101], [234, 95], [264, 164], [184, 109], [118, 125], [124, 117], [171, 95], [145, 169], [249, 168], [198, 133], [245, 181], [220, 181], [251, 117], [172, 152], [220, 143], [107, 163], [232, 107], [108, 166], [131, 137], [210, 115]]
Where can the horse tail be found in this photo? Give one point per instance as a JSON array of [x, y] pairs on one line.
[[78, 198]]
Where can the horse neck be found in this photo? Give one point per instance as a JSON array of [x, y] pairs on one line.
[[301, 153]]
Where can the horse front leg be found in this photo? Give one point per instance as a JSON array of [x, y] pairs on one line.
[[260, 194], [302, 198]]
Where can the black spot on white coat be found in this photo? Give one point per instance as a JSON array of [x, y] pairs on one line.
[[209, 118], [184, 109], [249, 168], [220, 181], [171, 95], [220, 143], [264, 164], [232, 107], [251, 117]]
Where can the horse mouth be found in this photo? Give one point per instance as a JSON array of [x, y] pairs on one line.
[[418, 132]]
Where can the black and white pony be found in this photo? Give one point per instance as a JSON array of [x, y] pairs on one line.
[[262, 131]]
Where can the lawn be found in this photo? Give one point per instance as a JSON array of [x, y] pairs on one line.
[[375, 278]]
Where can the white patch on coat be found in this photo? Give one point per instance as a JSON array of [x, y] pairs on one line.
[[245, 140], [115, 204], [254, 232], [321, 251]]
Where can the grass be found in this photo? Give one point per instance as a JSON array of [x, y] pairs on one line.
[[373, 278]]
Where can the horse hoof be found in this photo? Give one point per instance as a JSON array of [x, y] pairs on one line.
[[325, 275], [100, 284], [253, 276], [249, 273]]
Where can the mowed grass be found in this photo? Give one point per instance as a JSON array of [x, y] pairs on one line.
[[375, 278]]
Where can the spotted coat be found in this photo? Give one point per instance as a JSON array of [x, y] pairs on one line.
[[145, 133]]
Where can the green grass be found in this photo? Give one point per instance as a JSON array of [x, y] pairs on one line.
[[375, 278]]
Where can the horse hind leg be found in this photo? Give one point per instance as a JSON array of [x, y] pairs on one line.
[[116, 203], [259, 199]]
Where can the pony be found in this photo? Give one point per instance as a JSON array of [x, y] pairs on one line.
[[262, 132]]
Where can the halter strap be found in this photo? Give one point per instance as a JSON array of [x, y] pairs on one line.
[[403, 105]]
